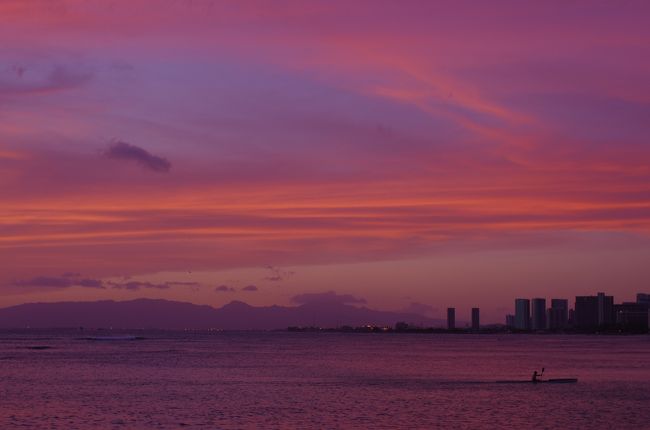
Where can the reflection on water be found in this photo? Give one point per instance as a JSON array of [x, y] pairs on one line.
[[58, 379]]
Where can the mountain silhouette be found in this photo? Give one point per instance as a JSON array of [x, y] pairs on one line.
[[165, 314]]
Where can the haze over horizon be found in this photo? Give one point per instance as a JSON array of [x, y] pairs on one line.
[[442, 154]]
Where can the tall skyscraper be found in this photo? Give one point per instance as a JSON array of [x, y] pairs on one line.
[[605, 310], [586, 312], [594, 311], [522, 314], [476, 324], [538, 317], [557, 316], [451, 318]]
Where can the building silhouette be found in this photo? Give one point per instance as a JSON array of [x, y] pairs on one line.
[[643, 298], [451, 318], [593, 312], [538, 317], [586, 312], [476, 324], [632, 316], [590, 314], [522, 314], [557, 316], [605, 310]]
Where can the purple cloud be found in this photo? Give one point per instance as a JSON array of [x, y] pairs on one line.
[[250, 288], [137, 285], [183, 284], [60, 282], [277, 274], [328, 297], [72, 279], [224, 289], [119, 150], [36, 78]]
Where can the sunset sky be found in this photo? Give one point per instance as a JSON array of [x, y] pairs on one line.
[[413, 154]]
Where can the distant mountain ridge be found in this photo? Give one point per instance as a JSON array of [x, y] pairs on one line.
[[165, 314]]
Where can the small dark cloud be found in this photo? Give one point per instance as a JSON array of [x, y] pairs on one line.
[[90, 283], [224, 289], [328, 297], [277, 274], [183, 284], [119, 150], [250, 288], [60, 282], [137, 285], [72, 279], [40, 78]]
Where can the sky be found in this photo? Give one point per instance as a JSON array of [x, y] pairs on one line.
[[405, 155]]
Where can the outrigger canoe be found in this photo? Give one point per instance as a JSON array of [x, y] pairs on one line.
[[543, 381]]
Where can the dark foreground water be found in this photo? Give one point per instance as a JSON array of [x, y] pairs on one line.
[[312, 380]]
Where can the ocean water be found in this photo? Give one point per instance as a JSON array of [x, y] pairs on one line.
[[320, 380]]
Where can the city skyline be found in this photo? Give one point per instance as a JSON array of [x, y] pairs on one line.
[[592, 313], [441, 154]]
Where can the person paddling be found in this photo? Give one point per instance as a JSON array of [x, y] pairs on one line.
[[535, 377]]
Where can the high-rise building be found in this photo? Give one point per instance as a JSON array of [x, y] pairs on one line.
[[557, 316], [538, 317], [644, 300], [605, 310], [451, 318], [632, 317], [586, 312], [476, 324], [522, 314], [594, 311], [510, 321]]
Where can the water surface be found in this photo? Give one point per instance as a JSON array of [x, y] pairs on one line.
[[320, 380]]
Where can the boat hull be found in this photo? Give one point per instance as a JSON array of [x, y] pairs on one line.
[[543, 381]]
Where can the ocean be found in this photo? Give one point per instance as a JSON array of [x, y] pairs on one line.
[[249, 380]]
